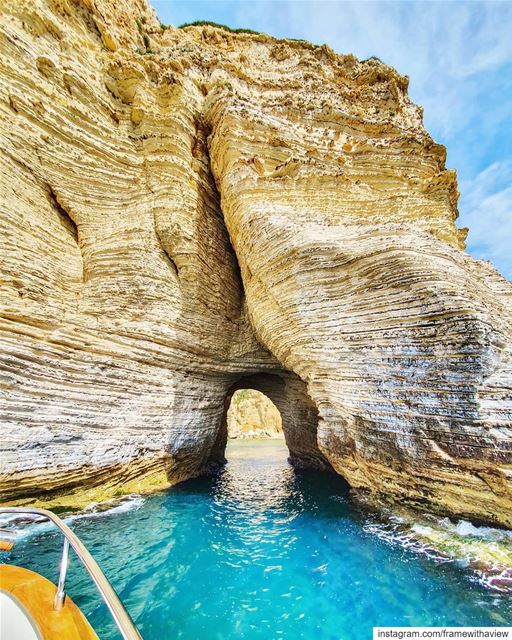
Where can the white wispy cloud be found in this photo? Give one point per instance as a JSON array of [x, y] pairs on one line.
[[487, 205], [458, 56], [442, 46]]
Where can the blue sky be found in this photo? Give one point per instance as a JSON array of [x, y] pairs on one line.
[[458, 56]]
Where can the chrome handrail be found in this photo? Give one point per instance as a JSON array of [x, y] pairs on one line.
[[121, 617]]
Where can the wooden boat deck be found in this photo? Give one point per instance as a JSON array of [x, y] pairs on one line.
[[35, 594]]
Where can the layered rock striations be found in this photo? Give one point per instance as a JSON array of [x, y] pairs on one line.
[[187, 212]]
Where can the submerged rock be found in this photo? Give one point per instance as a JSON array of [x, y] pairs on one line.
[[485, 551], [187, 212]]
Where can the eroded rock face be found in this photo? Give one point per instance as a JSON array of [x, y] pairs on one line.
[[184, 209], [252, 415]]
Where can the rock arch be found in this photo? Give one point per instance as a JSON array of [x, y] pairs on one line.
[[299, 415], [272, 217]]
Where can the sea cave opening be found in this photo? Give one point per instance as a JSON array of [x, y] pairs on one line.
[[271, 406], [268, 460], [253, 415]]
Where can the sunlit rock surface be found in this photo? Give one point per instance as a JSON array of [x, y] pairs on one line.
[[252, 415], [184, 209]]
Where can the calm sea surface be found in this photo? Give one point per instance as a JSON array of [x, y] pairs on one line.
[[259, 552]]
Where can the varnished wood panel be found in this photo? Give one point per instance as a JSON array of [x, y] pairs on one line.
[[36, 594]]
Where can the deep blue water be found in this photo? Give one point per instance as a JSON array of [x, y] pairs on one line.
[[259, 552]]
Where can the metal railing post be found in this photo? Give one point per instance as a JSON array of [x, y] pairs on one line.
[[119, 614], [60, 596]]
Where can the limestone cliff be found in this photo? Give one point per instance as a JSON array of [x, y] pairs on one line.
[[252, 415], [187, 212]]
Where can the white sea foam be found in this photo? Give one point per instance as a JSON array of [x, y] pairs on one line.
[[465, 528], [100, 509], [419, 537], [28, 525]]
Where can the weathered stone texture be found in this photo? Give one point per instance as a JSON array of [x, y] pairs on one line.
[[251, 414], [218, 206]]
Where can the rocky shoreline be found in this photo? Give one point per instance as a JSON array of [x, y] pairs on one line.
[[189, 212]]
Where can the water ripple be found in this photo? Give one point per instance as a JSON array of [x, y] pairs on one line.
[[260, 552]]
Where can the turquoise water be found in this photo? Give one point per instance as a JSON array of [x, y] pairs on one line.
[[259, 552]]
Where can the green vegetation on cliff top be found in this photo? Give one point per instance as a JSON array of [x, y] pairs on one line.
[[203, 23]]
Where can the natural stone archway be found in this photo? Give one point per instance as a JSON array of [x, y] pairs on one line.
[[298, 413], [224, 206], [253, 415]]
